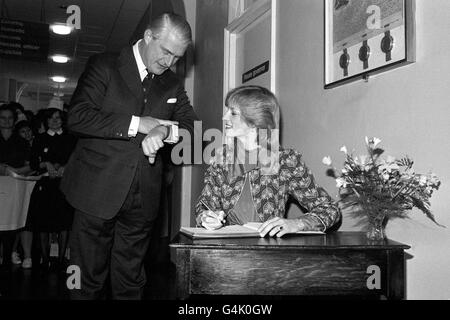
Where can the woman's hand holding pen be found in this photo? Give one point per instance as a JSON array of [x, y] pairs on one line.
[[212, 220]]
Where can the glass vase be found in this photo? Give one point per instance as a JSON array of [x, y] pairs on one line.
[[376, 226]]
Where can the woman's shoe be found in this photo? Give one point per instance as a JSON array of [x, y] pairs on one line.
[[27, 263], [15, 258]]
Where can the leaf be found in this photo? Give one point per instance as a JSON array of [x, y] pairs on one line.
[[424, 208], [331, 173], [378, 151], [405, 162]]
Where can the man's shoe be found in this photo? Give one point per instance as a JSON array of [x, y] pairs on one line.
[[15, 258], [27, 263]]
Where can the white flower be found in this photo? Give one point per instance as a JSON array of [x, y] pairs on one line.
[[344, 149], [376, 141], [386, 176], [363, 159], [372, 143], [422, 180], [390, 159], [340, 182], [388, 167], [327, 161]]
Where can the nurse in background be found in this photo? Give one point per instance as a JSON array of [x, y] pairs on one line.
[[24, 237]]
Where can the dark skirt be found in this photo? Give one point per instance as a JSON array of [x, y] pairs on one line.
[[49, 211]]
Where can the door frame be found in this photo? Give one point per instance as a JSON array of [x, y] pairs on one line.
[[239, 26]]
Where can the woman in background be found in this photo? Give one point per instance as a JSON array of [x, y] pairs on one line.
[[14, 151], [49, 211], [25, 237], [251, 179], [24, 130], [14, 154]]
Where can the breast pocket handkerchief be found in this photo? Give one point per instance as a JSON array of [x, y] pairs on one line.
[[172, 100]]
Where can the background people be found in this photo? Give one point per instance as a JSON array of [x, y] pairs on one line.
[[14, 154], [24, 237], [49, 212]]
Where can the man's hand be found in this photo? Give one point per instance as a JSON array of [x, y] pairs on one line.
[[146, 124], [60, 172], [154, 141]]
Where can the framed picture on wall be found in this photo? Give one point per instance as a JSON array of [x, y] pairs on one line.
[[367, 37]]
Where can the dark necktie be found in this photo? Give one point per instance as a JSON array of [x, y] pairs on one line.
[[147, 80], [146, 83]]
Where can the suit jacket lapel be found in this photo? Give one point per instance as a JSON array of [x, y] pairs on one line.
[[156, 93], [160, 86], [129, 72]]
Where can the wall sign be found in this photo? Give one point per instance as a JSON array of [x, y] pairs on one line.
[[255, 72], [24, 40]]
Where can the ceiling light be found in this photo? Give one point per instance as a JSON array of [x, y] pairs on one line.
[[60, 58], [56, 103], [59, 79], [61, 29]]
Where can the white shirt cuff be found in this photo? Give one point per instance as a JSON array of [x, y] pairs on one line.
[[134, 126], [173, 134]]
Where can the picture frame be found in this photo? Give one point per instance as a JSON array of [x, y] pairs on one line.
[[366, 37]]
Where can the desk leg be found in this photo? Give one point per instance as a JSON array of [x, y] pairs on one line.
[[183, 273], [396, 275]]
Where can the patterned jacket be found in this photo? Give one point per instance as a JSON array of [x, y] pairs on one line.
[[270, 192]]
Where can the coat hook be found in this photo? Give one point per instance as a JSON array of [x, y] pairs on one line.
[[366, 77]]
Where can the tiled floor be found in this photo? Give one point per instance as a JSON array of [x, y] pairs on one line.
[[17, 283]]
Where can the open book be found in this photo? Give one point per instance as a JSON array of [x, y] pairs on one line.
[[248, 230]]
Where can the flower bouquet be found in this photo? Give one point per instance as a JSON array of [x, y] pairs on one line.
[[378, 189]]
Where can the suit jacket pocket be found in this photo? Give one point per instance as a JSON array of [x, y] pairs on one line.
[[93, 158], [116, 105]]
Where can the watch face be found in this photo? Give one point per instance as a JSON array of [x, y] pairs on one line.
[[387, 44], [344, 60], [364, 53]]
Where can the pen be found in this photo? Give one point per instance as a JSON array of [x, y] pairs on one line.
[[208, 207]]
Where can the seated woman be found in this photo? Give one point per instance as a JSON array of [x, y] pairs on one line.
[[250, 179]]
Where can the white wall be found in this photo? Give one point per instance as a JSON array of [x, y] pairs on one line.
[[182, 196], [212, 18], [407, 108]]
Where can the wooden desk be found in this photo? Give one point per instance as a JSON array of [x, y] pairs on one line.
[[319, 265]]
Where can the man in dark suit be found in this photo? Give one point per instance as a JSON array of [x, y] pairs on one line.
[[125, 108]]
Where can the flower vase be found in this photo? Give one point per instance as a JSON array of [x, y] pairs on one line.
[[376, 226]]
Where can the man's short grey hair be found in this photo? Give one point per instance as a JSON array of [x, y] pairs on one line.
[[173, 22]]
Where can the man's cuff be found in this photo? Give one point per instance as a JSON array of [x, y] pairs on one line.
[[172, 137], [134, 126]]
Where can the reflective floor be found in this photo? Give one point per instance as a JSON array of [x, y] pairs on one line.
[[40, 283]]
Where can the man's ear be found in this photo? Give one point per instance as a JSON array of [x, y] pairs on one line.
[[148, 36]]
